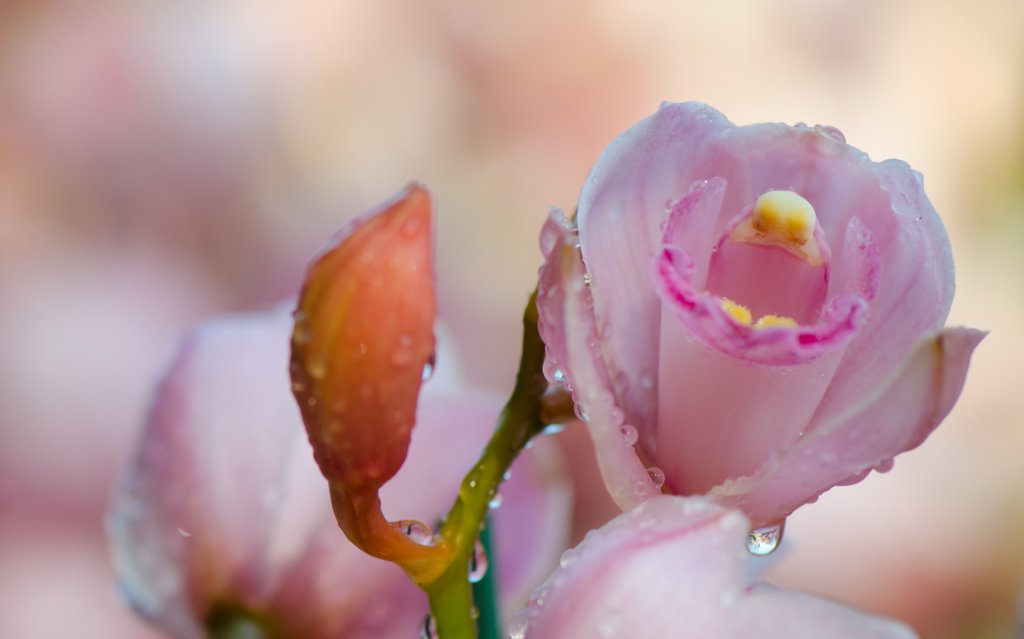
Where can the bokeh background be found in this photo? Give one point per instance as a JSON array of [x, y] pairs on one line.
[[162, 161]]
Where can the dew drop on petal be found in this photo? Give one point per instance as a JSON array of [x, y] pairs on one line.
[[657, 476], [519, 624], [477, 563], [763, 541], [417, 531], [629, 434], [568, 557]]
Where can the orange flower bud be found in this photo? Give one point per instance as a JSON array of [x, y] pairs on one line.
[[363, 335]]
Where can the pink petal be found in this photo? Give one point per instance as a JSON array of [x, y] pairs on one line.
[[567, 326], [916, 267], [721, 416], [616, 584], [621, 209], [843, 448]]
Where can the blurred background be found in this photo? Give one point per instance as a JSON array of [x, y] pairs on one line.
[[162, 161]]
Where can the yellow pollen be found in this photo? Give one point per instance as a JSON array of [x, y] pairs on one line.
[[739, 312], [775, 320], [742, 315], [784, 215]]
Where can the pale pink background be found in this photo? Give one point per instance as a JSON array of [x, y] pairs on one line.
[[161, 161]]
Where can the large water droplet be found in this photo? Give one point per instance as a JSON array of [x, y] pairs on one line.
[[417, 531], [763, 541], [428, 629], [629, 434], [477, 563]]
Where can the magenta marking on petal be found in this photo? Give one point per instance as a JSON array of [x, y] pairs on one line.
[[703, 314]]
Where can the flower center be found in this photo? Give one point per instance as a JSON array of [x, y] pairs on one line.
[[771, 264], [783, 219]]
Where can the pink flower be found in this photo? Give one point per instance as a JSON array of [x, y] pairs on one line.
[[224, 520], [757, 314], [678, 567]]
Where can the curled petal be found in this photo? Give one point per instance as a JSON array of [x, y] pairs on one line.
[[616, 584], [843, 448], [567, 326]]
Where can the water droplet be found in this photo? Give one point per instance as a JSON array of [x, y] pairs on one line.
[[311, 401], [763, 541], [298, 387], [567, 558], [401, 357], [657, 476], [552, 429], [301, 334], [647, 381], [184, 533], [428, 368], [586, 279], [629, 434], [477, 563], [831, 132], [558, 375], [316, 365], [642, 489], [417, 531], [495, 501], [428, 629], [519, 624]]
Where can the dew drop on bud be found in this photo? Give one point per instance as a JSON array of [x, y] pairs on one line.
[[629, 434], [477, 563], [428, 368], [763, 541], [417, 531], [428, 629]]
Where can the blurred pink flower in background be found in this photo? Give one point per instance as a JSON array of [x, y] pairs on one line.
[[678, 567], [849, 272], [223, 518]]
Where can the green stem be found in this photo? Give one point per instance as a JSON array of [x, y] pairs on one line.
[[485, 591], [450, 594]]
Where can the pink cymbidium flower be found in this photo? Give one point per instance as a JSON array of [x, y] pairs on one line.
[[678, 567], [222, 522], [757, 314]]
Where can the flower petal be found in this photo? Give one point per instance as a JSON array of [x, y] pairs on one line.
[[915, 263], [621, 209], [566, 324], [843, 448], [616, 584]]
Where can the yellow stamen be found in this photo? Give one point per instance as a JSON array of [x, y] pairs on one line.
[[739, 312], [784, 215], [775, 320]]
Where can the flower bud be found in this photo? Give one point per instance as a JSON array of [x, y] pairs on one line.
[[363, 336]]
